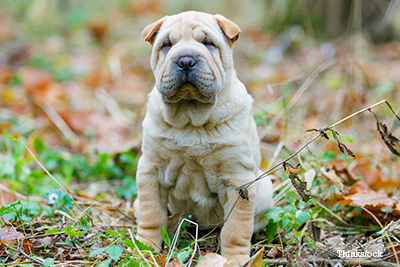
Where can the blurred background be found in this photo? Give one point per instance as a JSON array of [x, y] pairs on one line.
[[74, 78]]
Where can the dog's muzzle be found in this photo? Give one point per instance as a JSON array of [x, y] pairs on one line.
[[188, 77]]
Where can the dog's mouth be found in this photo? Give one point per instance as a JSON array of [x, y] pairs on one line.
[[193, 82], [187, 91]]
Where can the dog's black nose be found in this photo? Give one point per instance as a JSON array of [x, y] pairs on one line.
[[186, 63]]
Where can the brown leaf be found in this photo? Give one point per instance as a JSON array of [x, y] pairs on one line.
[[309, 177], [275, 253], [175, 263], [343, 148], [35, 81], [161, 260], [299, 185], [360, 195], [9, 234], [44, 242], [388, 138], [174, 221], [331, 175], [244, 194], [99, 28], [293, 168], [321, 131]]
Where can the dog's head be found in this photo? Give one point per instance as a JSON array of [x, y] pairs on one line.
[[191, 57]]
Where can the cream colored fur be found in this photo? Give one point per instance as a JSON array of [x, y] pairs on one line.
[[199, 143]]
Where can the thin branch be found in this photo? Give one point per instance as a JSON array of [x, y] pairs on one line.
[[388, 237], [272, 169], [35, 259]]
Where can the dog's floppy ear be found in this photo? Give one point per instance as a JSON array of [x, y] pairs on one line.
[[230, 28], [149, 33]]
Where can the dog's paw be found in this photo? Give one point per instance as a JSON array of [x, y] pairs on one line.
[[236, 260]]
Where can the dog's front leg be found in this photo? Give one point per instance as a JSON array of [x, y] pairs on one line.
[[238, 227], [152, 204]]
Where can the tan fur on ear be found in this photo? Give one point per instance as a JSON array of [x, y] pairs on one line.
[[149, 33], [230, 28]]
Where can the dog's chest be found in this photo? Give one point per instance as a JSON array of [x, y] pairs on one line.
[[190, 168]]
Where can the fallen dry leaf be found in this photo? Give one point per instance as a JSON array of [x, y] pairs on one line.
[[388, 138], [393, 227], [361, 195], [257, 259], [275, 253], [9, 234], [331, 175], [309, 177], [175, 263]]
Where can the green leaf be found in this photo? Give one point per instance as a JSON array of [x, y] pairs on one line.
[[129, 244], [97, 252], [105, 263], [71, 232], [112, 233], [52, 231], [122, 234], [183, 255], [272, 230], [165, 236], [285, 222], [114, 251], [301, 217], [142, 246], [48, 262], [273, 217]]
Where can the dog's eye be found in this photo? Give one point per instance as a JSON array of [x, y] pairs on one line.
[[166, 45], [207, 42]]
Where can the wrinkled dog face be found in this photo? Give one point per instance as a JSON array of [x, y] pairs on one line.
[[191, 56]]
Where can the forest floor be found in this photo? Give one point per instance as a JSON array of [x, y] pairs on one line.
[[72, 98]]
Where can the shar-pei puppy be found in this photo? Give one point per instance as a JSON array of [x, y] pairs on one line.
[[199, 138]]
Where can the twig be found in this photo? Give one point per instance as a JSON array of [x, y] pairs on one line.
[[331, 212], [139, 251], [126, 215], [35, 259], [175, 239], [56, 118], [388, 237], [322, 67], [313, 139]]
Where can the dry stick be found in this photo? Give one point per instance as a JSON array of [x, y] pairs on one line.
[[313, 139], [139, 251], [37, 260], [56, 118], [388, 237], [331, 212], [298, 94], [175, 239], [54, 179]]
